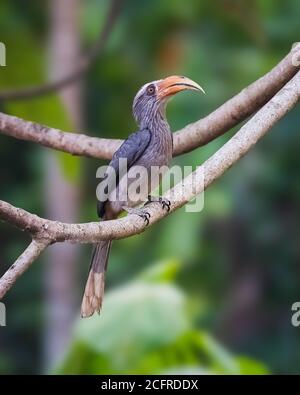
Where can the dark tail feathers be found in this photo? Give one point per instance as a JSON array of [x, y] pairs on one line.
[[94, 289]]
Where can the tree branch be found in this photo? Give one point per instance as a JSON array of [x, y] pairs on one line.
[[32, 252], [73, 143], [45, 231], [194, 135], [238, 108], [79, 71]]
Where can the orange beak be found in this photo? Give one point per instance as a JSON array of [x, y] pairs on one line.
[[174, 84]]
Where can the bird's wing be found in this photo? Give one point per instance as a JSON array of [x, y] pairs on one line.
[[131, 150]]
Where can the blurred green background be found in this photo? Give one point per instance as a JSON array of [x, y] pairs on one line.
[[199, 292]]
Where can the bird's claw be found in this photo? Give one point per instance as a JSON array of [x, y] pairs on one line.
[[140, 212], [165, 203], [146, 216]]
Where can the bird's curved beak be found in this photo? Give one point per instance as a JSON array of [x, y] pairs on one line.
[[174, 84]]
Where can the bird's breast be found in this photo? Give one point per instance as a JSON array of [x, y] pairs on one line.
[[147, 172], [159, 151]]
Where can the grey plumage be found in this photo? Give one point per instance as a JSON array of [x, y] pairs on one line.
[[151, 146], [132, 149]]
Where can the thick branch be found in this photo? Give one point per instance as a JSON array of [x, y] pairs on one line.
[[194, 135], [31, 253], [46, 232], [238, 108], [79, 71], [73, 143], [212, 169]]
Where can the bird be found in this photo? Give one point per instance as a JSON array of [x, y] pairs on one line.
[[151, 145]]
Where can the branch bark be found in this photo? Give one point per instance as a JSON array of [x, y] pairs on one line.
[[45, 232], [32, 252], [81, 69], [192, 136]]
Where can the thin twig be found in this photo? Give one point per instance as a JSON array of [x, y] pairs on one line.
[[32, 252], [46, 231], [79, 70], [192, 136]]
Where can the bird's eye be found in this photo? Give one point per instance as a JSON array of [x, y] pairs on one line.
[[151, 89]]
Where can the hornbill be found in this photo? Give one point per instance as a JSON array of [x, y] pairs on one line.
[[151, 145]]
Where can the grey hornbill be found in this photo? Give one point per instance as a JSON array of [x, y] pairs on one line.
[[151, 146]]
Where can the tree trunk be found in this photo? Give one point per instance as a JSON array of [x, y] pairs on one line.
[[62, 195]]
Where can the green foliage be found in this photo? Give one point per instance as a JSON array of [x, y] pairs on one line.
[[209, 286], [144, 328], [47, 110]]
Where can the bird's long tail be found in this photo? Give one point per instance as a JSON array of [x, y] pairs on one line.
[[94, 289]]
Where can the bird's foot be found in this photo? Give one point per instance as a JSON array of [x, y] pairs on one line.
[[165, 203], [140, 212]]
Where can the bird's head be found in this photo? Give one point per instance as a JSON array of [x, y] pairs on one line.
[[151, 99]]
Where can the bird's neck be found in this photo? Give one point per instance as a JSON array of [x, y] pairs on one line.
[[161, 139], [157, 123]]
